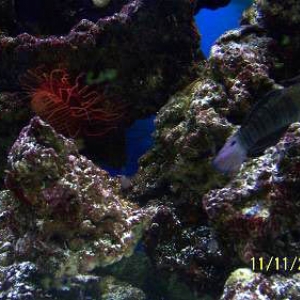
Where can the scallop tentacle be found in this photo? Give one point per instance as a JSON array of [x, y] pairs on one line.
[[72, 109]]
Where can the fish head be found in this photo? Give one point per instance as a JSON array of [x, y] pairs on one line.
[[231, 156]]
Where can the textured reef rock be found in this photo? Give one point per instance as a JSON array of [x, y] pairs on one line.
[[193, 251], [252, 210], [139, 271], [156, 39], [281, 21], [178, 172], [67, 227], [245, 284], [61, 212], [193, 125], [257, 213], [23, 281], [14, 113], [280, 15], [242, 61], [188, 131], [114, 290], [138, 51]]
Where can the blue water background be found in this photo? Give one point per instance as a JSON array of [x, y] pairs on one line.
[[211, 23], [138, 141]]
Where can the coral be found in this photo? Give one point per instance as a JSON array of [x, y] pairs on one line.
[[191, 126], [178, 172], [280, 20], [51, 16], [194, 252], [245, 284], [188, 132], [14, 114], [66, 224], [190, 129], [71, 109], [23, 281], [113, 289], [278, 15], [257, 212], [152, 57], [241, 60], [65, 207], [17, 282]]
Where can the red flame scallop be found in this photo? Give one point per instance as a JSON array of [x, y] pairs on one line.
[[71, 109]]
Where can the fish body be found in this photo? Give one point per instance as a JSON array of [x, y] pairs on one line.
[[264, 126]]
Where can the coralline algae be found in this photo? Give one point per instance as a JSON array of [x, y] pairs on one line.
[[245, 284], [66, 224], [248, 220], [157, 59], [62, 212]]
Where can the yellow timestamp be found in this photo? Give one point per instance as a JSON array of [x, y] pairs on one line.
[[273, 263]]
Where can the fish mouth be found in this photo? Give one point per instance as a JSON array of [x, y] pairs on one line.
[[231, 156]]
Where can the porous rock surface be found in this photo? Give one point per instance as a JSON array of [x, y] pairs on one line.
[[253, 214], [156, 39], [206, 225], [245, 284], [61, 212], [257, 212]]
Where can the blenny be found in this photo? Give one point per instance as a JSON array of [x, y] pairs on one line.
[[263, 127]]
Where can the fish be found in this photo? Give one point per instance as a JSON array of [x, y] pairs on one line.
[[125, 182], [263, 127]]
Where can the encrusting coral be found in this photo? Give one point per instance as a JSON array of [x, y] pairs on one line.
[[67, 217], [257, 213], [62, 212], [178, 172], [246, 284], [254, 215], [151, 44], [241, 61]]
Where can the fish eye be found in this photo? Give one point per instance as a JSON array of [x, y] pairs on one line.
[[232, 143]]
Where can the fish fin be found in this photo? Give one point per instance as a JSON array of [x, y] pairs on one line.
[[266, 142], [231, 156]]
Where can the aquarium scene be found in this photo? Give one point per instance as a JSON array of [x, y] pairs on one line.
[[149, 150]]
